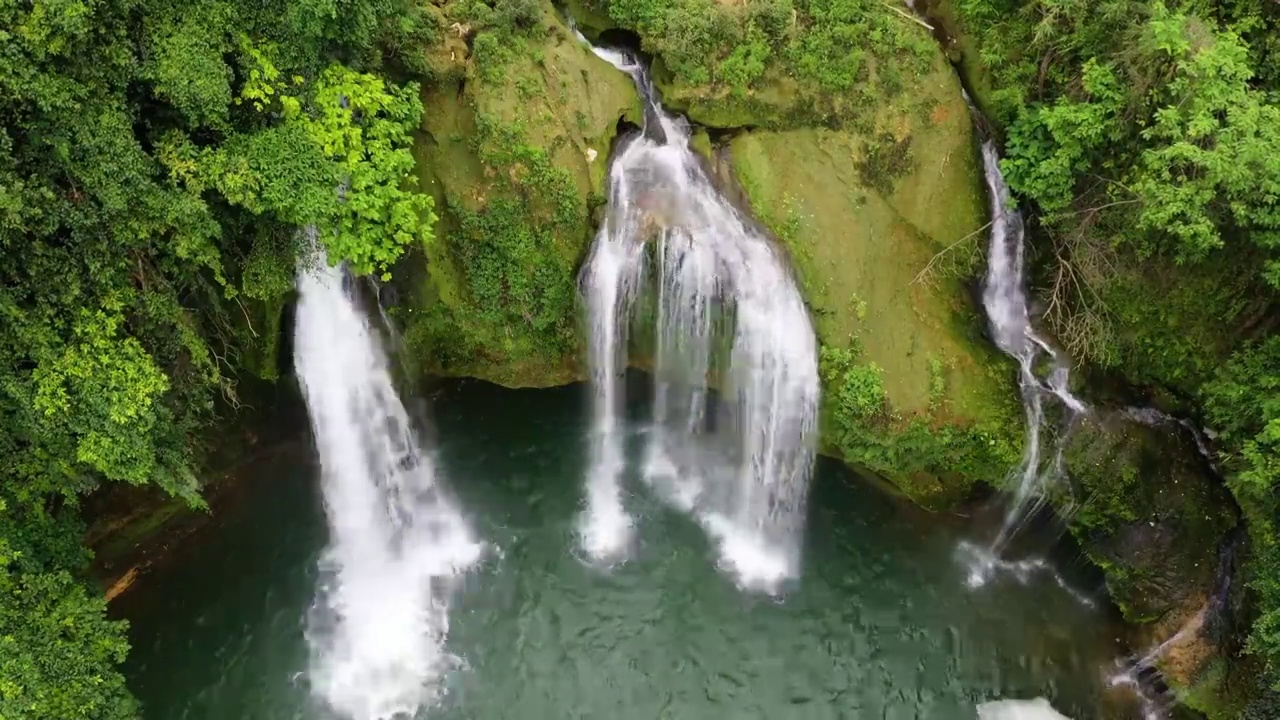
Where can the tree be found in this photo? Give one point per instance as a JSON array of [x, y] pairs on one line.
[[156, 157]]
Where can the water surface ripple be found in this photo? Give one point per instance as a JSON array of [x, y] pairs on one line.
[[879, 625]]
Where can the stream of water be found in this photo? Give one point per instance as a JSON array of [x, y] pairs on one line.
[[1004, 299]]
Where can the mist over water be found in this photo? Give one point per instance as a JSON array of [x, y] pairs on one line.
[[397, 545]]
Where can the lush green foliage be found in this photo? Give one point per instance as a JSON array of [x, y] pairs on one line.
[[517, 255], [58, 650], [1243, 402], [156, 159], [1148, 136], [1148, 150], [840, 54], [515, 268], [913, 450]]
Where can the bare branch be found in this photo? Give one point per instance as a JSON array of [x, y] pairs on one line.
[[1099, 208], [910, 17], [926, 273], [246, 317]]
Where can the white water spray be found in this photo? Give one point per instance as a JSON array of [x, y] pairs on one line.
[[1038, 709], [397, 546], [677, 258], [1004, 298]]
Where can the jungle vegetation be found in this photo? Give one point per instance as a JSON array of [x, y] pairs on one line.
[[1146, 136], [158, 158]]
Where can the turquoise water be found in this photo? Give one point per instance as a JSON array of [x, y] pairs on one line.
[[880, 624]]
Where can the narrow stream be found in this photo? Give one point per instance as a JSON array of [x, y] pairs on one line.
[[877, 626]]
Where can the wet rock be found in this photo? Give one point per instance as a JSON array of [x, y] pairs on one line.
[[515, 154], [1147, 508]]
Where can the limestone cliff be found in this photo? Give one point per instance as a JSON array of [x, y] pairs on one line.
[[879, 204]]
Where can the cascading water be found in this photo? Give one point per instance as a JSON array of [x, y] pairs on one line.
[[1004, 298], [397, 545], [725, 311], [1141, 675]]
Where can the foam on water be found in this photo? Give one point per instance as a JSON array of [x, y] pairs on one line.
[[397, 545], [1038, 709]]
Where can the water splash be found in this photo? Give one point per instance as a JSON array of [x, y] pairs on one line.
[[676, 258], [1004, 298], [1038, 709], [397, 545]]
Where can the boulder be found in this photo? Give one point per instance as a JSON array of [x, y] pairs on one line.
[[1148, 510]]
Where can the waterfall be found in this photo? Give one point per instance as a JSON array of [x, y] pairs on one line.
[[397, 545], [734, 356], [1004, 298]]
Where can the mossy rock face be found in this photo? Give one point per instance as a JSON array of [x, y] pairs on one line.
[[912, 391], [1150, 514], [962, 50], [731, 64], [590, 19], [778, 103], [515, 153]]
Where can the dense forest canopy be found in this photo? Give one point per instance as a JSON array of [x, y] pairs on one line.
[[156, 162], [158, 158], [1147, 137]]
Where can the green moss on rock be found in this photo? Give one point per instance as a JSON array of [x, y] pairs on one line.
[[1147, 512], [590, 19], [777, 102], [963, 51], [864, 217], [769, 63], [515, 155]]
